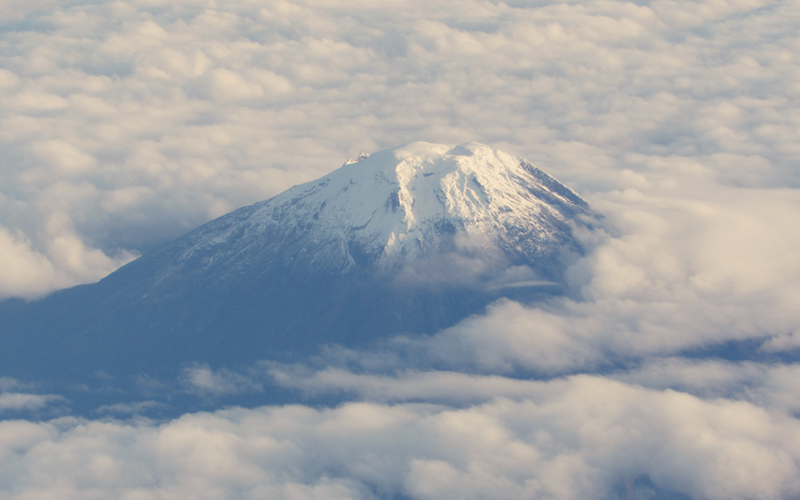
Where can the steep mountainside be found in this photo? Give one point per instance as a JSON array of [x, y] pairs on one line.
[[410, 239]]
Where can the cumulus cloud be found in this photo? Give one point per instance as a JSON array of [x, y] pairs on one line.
[[65, 261], [581, 437]]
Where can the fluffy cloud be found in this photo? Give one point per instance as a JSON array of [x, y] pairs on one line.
[[769, 386], [64, 261], [581, 437]]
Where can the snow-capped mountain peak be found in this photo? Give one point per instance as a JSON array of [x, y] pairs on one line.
[[406, 203], [406, 240]]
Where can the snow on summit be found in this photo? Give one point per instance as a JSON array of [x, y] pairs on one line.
[[410, 202]]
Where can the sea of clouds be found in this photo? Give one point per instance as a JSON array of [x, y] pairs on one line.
[[668, 370]]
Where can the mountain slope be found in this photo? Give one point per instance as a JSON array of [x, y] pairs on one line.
[[410, 239]]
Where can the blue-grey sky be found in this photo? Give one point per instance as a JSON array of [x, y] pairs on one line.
[[126, 123]]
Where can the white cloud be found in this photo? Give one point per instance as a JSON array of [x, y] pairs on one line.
[[19, 401], [767, 385], [202, 380], [65, 262], [13, 401], [770, 386], [581, 437], [63, 156]]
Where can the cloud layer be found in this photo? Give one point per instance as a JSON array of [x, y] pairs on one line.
[[582, 437]]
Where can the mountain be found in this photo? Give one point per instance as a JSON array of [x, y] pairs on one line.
[[407, 240]]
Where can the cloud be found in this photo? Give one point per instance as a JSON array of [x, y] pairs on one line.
[[202, 380], [19, 401], [765, 385], [580, 437], [66, 261], [129, 408], [63, 156], [431, 386], [13, 400]]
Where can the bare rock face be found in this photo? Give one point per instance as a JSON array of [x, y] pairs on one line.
[[407, 240]]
